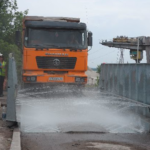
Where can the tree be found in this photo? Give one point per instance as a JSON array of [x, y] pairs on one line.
[[98, 69], [10, 21]]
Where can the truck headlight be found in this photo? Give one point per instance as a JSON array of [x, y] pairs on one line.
[[28, 78], [31, 79], [80, 79]]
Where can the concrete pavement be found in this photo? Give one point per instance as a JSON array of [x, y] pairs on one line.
[[16, 141], [84, 141]]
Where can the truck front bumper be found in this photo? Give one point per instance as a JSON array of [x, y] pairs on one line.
[[61, 78]]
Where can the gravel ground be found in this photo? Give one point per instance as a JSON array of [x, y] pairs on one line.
[[5, 133]]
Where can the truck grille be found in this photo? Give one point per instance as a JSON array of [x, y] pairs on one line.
[[56, 62]]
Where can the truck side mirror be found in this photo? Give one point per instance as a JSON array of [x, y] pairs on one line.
[[18, 37], [90, 38]]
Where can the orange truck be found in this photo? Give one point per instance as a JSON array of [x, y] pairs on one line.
[[55, 50]]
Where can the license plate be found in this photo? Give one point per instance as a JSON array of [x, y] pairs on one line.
[[56, 79]]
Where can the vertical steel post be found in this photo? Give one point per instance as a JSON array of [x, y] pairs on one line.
[[12, 90], [137, 51]]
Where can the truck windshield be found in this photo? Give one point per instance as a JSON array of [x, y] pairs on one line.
[[55, 38]]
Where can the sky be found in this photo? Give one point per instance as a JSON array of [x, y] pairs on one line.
[[105, 18]]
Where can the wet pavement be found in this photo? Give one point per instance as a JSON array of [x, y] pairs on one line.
[[64, 141], [50, 119]]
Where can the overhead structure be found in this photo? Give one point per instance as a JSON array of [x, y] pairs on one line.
[[121, 59], [136, 45]]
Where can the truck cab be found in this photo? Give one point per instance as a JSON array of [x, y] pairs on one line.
[[55, 50]]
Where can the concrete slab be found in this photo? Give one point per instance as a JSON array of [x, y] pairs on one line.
[[82, 141], [16, 145]]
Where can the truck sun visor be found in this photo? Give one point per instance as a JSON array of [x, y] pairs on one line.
[[56, 24]]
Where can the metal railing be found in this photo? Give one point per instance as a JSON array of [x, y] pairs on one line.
[[128, 80]]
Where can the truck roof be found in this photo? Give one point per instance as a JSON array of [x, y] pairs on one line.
[[61, 19]]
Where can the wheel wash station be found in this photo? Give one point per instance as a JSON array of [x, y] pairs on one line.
[[130, 82]]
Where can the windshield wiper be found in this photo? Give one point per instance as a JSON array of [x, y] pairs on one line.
[[73, 48], [38, 46], [59, 46], [53, 46]]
